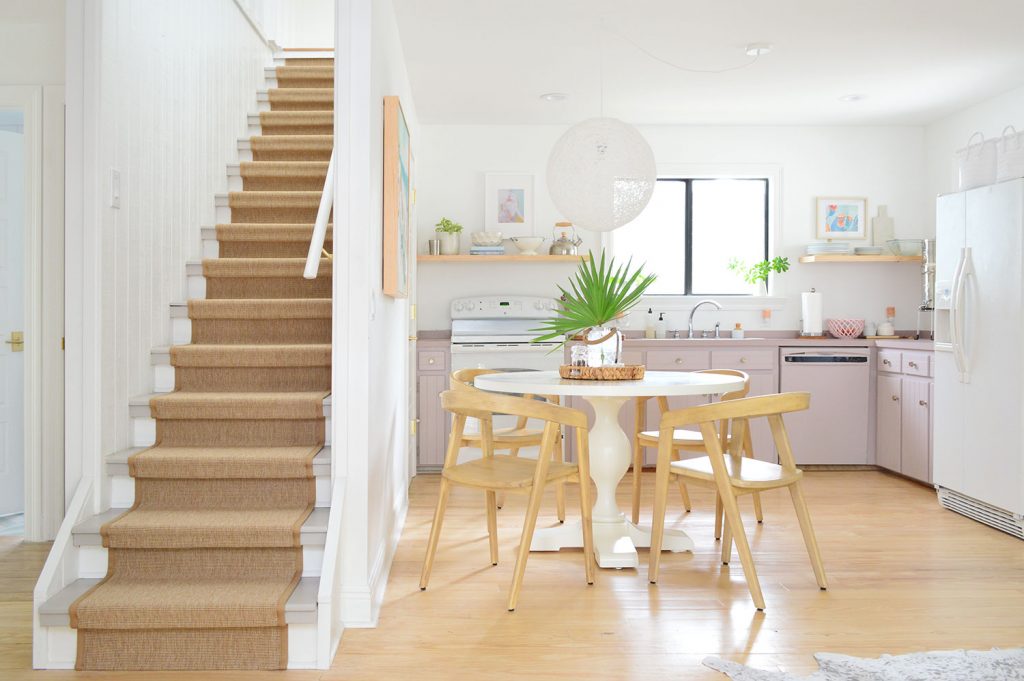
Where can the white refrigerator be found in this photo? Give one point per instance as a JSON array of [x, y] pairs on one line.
[[978, 432]]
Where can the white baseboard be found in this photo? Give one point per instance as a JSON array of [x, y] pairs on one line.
[[360, 606]]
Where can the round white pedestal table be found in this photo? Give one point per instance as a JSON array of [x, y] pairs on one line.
[[615, 538]]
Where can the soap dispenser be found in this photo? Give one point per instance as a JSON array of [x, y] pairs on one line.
[[660, 330], [649, 326]]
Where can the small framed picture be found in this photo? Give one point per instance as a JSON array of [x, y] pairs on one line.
[[508, 204], [842, 217]]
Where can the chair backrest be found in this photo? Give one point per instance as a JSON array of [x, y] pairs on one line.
[[482, 405], [735, 415], [462, 379]]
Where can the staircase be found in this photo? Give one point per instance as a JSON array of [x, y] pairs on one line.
[[211, 551]]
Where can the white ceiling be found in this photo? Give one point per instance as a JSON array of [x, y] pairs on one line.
[[487, 61]]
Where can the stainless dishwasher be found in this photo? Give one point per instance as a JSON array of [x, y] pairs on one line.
[[835, 429]]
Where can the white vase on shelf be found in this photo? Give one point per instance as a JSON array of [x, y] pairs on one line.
[[449, 242]]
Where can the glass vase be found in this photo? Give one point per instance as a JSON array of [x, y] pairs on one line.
[[604, 346]]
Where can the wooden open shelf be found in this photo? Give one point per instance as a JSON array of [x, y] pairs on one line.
[[501, 258], [860, 258]]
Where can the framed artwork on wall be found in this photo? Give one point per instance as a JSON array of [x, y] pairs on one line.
[[397, 200], [508, 203], [841, 217]]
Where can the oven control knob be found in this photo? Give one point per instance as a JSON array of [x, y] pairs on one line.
[[470, 306], [458, 307], [538, 304]]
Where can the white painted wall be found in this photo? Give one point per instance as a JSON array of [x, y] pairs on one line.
[[308, 23], [168, 87], [884, 164], [32, 42], [388, 469], [944, 137]]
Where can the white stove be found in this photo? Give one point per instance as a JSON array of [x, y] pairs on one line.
[[495, 332]]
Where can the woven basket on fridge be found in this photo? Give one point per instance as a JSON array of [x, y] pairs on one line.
[[1010, 155], [976, 163]]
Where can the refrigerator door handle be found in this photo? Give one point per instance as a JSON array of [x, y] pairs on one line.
[[954, 314], [966, 271]]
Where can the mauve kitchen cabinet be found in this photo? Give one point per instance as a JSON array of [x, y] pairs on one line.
[[903, 441], [432, 362]]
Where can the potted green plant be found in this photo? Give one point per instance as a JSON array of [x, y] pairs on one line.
[[757, 273], [599, 294], [448, 232]]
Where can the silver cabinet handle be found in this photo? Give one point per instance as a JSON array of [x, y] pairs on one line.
[[895, 398], [912, 364], [886, 362], [743, 360], [430, 361], [923, 403], [679, 360]]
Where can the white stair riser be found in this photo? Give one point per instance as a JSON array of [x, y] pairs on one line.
[[62, 646], [254, 129], [196, 286], [263, 104], [92, 561], [244, 151], [122, 491], [223, 212], [181, 331], [211, 248], [235, 183]]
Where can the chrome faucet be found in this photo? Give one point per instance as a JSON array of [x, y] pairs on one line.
[[689, 324]]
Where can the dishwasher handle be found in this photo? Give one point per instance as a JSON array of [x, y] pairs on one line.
[[826, 359]]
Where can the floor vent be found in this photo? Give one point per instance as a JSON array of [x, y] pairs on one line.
[[1002, 520]]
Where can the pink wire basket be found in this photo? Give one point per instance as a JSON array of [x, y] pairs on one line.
[[846, 328]]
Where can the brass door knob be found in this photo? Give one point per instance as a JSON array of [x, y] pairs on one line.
[[895, 398], [16, 341], [679, 360]]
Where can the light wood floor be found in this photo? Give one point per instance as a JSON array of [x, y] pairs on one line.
[[905, 576]]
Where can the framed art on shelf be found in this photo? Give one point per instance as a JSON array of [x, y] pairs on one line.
[[508, 203], [397, 200], [841, 217]]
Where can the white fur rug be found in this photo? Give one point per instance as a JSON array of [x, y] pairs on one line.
[[947, 665]]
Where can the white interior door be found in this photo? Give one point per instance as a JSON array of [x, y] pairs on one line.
[[12, 317]]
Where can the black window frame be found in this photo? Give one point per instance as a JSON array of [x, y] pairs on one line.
[[688, 229]]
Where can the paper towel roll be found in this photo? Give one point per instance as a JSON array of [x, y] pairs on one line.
[[810, 305]]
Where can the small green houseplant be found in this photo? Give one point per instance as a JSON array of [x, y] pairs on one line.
[[600, 292], [757, 273], [448, 232]]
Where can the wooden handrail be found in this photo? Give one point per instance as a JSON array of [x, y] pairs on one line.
[[323, 214]]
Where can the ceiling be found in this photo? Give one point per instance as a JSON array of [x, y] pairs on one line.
[[486, 61]]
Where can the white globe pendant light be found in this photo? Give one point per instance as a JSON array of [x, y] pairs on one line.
[[601, 174]]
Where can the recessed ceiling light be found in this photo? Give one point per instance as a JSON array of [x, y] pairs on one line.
[[758, 49], [554, 96], [852, 98]]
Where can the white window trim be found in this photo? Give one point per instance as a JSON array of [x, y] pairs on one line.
[[771, 171]]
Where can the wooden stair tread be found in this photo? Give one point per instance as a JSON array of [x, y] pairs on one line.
[[117, 462]]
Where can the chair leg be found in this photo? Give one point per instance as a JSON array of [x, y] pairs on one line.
[[638, 468], [735, 523], [435, 533], [658, 520], [492, 525], [501, 497], [532, 509], [684, 493], [718, 516], [758, 513], [560, 486], [586, 510], [726, 544], [797, 494]]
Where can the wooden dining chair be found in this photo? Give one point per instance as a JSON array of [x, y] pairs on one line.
[[505, 473], [514, 438], [685, 441], [731, 474]]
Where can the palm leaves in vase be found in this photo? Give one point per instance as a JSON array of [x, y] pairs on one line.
[[600, 293]]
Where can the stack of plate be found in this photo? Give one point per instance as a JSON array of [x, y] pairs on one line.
[[867, 250], [828, 248]]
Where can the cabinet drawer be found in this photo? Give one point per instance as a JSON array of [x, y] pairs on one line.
[[889, 361], [678, 360], [915, 363], [432, 360], [743, 359]]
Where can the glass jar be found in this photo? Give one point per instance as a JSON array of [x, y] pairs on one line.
[[604, 346]]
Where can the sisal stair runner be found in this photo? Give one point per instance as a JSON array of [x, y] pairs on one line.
[[200, 568]]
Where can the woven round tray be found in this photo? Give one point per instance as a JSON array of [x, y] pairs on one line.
[[628, 372]]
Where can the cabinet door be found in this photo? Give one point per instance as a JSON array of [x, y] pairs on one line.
[[887, 442], [433, 426], [914, 421]]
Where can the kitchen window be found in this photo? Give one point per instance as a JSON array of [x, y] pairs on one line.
[[692, 229]]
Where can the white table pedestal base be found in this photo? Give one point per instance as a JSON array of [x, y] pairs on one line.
[[615, 544], [615, 538]]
